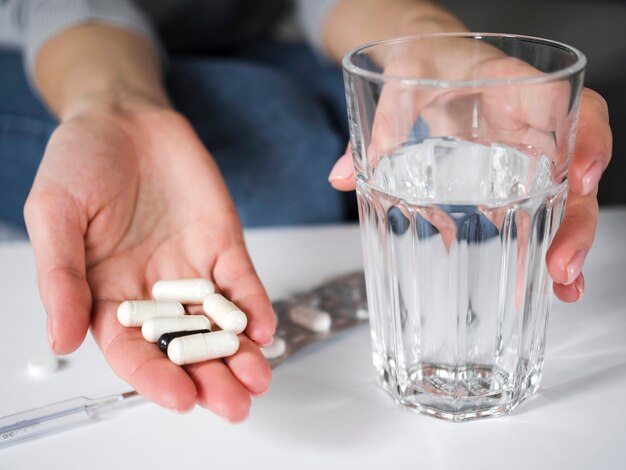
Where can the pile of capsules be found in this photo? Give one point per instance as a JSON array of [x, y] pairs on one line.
[[186, 338], [302, 319]]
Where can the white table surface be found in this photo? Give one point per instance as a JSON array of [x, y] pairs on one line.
[[323, 409]]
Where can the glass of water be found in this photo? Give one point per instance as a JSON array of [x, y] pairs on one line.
[[461, 144]]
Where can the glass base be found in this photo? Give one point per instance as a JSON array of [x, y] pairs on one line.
[[459, 393]]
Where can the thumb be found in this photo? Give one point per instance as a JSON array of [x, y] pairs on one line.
[[57, 232], [342, 175]]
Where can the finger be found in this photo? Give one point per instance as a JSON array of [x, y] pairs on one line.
[[573, 240], [542, 106], [249, 366], [572, 292], [342, 175], [397, 111], [139, 362], [594, 142], [56, 231], [444, 112], [219, 391], [235, 276]]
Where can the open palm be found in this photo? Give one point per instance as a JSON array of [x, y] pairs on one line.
[[120, 201]]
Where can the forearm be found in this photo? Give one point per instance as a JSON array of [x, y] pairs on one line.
[[354, 22], [97, 64]]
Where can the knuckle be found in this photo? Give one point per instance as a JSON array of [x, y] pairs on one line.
[[119, 343], [599, 102], [176, 121], [32, 208]]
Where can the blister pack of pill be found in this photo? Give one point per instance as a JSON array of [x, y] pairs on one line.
[[315, 315]]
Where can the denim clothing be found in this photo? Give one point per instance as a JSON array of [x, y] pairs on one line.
[[273, 117], [25, 127]]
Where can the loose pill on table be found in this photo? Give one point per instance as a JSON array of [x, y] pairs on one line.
[[185, 291], [276, 349], [136, 312], [312, 319], [202, 347], [166, 338], [43, 365], [153, 328], [225, 313]]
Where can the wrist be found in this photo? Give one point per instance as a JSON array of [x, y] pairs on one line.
[[426, 18], [373, 20], [117, 99], [98, 66]]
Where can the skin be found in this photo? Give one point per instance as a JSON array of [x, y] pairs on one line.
[[105, 219], [122, 224], [592, 153]]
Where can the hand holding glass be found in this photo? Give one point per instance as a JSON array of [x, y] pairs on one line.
[[461, 144]]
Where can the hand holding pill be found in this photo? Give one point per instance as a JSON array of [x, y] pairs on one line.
[[186, 339], [146, 203]]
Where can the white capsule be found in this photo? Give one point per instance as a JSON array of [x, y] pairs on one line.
[[136, 312], [202, 347], [185, 291], [276, 349], [153, 328], [225, 313], [312, 319]]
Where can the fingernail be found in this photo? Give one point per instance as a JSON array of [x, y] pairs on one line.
[[50, 332], [260, 394], [181, 411], [580, 287], [232, 421], [575, 266], [343, 169], [592, 177]]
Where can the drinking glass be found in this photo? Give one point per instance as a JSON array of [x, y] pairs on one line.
[[461, 144]]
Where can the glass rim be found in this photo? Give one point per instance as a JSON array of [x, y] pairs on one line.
[[351, 68]]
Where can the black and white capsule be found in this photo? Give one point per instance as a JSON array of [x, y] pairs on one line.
[[166, 338], [153, 328]]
